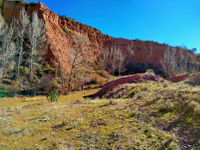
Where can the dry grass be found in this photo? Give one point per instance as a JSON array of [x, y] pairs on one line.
[[139, 120]]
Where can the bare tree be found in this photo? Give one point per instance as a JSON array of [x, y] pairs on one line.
[[76, 55], [2, 22], [113, 59], [193, 67], [104, 59], [22, 26], [107, 60], [185, 61], [62, 71], [169, 61], [182, 61], [149, 55], [122, 62], [130, 49], [37, 39], [7, 46]]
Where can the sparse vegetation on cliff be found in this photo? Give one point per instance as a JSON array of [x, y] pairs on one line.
[[65, 17], [23, 2], [68, 31]]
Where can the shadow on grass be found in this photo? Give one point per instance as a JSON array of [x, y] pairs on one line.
[[188, 131], [166, 144]]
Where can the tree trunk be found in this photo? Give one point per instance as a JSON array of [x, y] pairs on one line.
[[71, 72], [19, 58], [1, 73], [2, 69], [69, 82], [31, 64]]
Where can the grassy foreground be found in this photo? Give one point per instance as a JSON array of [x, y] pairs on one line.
[[136, 116]]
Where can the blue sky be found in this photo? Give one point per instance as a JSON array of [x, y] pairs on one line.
[[175, 22]]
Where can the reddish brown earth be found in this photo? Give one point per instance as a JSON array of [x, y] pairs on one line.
[[144, 51], [110, 86], [178, 78]]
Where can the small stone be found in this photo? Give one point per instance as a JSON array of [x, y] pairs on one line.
[[43, 120], [2, 118], [189, 145]]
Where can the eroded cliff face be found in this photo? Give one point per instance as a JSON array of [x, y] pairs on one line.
[[58, 39], [141, 52]]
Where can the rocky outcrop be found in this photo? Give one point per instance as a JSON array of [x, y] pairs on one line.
[[144, 52], [141, 52]]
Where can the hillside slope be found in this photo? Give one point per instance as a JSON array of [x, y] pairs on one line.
[[146, 115], [59, 30]]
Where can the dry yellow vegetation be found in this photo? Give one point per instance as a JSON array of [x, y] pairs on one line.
[[146, 116]]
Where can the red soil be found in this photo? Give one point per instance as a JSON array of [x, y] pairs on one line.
[[131, 79], [178, 78]]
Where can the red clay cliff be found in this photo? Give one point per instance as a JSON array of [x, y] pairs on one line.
[[144, 51]]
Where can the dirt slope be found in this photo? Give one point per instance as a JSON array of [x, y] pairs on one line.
[[110, 86]]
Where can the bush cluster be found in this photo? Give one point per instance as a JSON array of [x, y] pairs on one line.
[[24, 2], [45, 79], [52, 96], [195, 106]]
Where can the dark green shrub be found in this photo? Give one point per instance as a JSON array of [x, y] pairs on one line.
[[52, 96], [49, 70], [39, 71], [2, 92], [5, 93]]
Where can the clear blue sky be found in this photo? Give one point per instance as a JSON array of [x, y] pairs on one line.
[[175, 22]]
